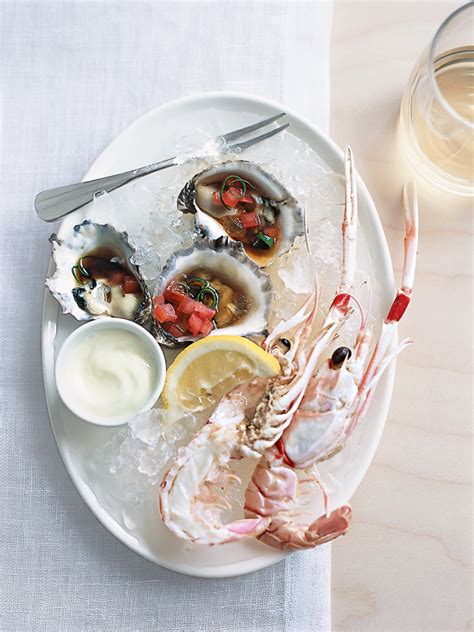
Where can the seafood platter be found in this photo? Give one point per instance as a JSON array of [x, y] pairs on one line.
[[222, 339]]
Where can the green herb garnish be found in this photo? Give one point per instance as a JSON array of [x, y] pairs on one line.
[[197, 281], [183, 287], [234, 179], [267, 241], [78, 272], [209, 291]]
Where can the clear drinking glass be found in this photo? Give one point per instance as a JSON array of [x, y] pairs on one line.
[[437, 113]]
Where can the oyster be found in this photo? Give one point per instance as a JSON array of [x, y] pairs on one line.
[[240, 200], [94, 276], [220, 269]]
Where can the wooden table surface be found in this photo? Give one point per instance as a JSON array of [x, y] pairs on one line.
[[406, 563]]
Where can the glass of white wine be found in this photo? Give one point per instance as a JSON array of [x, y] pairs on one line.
[[437, 113]]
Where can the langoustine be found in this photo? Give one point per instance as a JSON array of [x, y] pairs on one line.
[[335, 401]]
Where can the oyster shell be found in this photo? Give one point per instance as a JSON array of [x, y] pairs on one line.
[[96, 296], [271, 198], [227, 262]]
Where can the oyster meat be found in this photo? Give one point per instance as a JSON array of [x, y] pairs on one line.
[[238, 199], [221, 276], [94, 276]]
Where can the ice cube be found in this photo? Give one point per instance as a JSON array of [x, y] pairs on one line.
[[297, 273], [325, 240], [147, 426], [103, 209]]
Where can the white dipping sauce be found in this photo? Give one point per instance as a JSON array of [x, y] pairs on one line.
[[110, 374]]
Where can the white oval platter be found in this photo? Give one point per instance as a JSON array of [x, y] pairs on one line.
[[151, 138]]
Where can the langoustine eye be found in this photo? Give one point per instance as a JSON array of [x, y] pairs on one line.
[[340, 355]]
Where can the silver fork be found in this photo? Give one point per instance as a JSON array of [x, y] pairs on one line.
[[52, 204]]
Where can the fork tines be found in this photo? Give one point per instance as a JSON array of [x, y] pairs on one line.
[[243, 131]]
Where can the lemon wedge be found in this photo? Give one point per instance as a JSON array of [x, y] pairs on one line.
[[211, 367]]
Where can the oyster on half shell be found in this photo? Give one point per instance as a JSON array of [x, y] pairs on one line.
[[232, 275], [94, 276], [240, 200]]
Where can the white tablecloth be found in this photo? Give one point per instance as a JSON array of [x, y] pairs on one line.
[[73, 75]]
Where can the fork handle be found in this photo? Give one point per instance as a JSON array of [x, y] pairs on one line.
[[53, 204]]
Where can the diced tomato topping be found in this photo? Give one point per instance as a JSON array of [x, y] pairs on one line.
[[206, 328], [216, 198], [203, 311], [247, 199], [174, 330], [173, 293], [271, 231], [116, 278], [182, 314], [249, 220], [165, 313], [231, 196], [195, 324], [186, 304], [182, 319], [130, 284]]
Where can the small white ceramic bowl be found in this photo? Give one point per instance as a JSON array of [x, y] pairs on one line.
[[114, 324]]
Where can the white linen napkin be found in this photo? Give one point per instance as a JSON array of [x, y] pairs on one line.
[[73, 75]]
